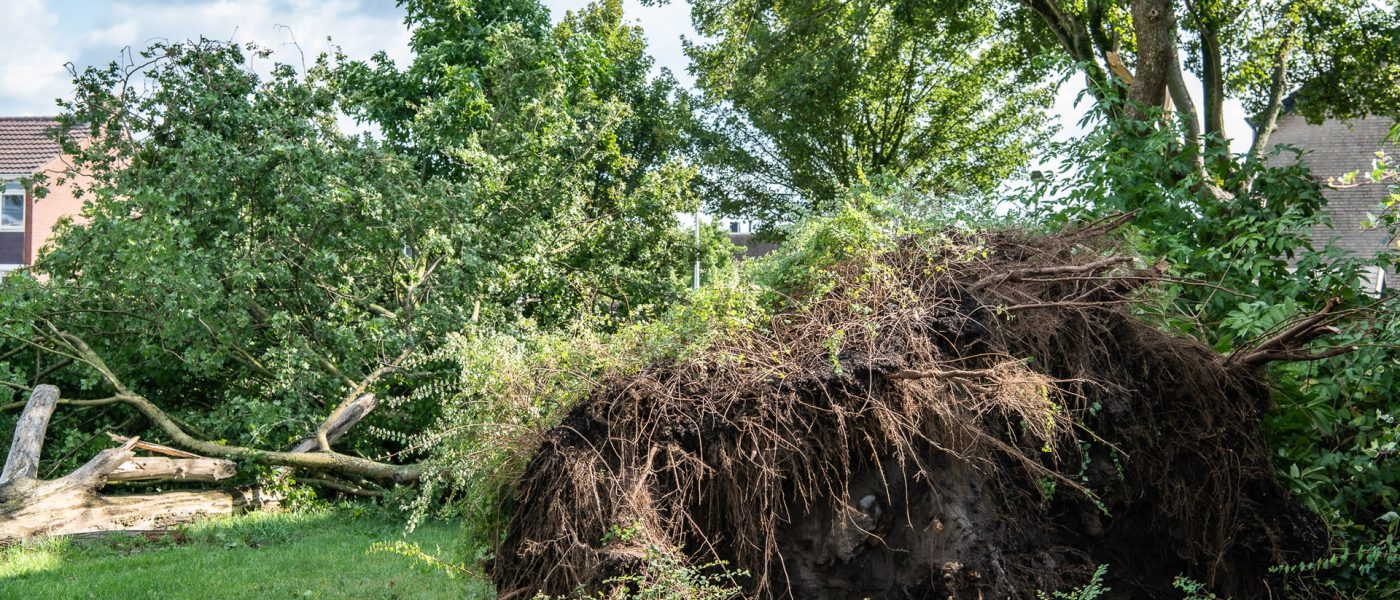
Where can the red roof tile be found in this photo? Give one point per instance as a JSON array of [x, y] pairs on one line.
[[25, 145]]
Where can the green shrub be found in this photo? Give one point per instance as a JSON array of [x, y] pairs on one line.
[[1091, 590]]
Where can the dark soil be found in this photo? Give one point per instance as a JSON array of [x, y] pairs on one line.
[[943, 424]]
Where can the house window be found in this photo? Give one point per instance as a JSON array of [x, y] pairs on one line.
[[12, 208]]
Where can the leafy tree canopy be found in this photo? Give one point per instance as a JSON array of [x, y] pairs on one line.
[[806, 98], [1337, 58], [247, 264]]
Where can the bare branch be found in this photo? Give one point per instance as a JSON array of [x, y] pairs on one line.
[[69, 402], [341, 486], [1102, 225], [1018, 275], [338, 423], [157, 448], [1287, 345]]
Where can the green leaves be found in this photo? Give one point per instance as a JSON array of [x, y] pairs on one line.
[[803, 99], [244, 262]]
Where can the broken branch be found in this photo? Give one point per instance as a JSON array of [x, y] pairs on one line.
[[1020, 274], [22, 464], [1287, 345]]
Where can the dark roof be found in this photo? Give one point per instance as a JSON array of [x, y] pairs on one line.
[[25, 145], [1334, 148], [751, 247]]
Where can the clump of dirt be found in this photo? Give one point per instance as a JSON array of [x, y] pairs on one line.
[[967, 416]]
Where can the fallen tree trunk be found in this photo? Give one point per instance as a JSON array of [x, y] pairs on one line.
[[179, 469], [71, 504], [73, 511], [325, 460]]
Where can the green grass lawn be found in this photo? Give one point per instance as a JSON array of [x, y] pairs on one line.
[[318, 554]]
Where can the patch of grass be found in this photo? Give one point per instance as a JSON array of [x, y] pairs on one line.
[[315, 554]]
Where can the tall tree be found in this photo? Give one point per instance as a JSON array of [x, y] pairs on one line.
[[559, 138], [1337, 58], [806, 97]]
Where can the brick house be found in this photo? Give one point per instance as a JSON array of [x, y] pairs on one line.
[[25, 225], [1332, 149]]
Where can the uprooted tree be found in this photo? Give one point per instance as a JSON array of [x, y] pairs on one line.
[[963, 416]]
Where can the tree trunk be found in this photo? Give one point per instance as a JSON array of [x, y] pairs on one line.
[[179, 469], [71, 504], [55, 510], [1154, 23]]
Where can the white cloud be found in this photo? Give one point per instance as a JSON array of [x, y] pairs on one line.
[[93, 33], [274, 24], [32, 74]]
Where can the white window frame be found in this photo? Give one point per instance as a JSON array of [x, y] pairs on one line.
[[13, 189]]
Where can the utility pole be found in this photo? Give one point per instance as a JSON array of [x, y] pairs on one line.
[[697, 246]]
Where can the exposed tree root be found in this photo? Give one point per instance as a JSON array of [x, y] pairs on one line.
[[905, 435]]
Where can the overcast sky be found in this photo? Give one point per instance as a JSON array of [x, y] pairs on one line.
[[43, 35]]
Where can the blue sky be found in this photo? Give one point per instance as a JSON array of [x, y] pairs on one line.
[[43, 35]]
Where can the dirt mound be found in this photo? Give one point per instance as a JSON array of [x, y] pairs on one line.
[[964, 417]]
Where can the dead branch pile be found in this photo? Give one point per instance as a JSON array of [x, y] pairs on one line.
[[964, 417]]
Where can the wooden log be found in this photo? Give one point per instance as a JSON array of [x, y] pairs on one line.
[[22, 464], [71, 504], [180, 469], [74, 512], [93, 474]]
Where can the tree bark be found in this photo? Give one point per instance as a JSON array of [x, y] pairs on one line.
[[1181, 96], [1212, 83], [1155, 26], [157, 448], [50, 510], [71, 504], [179, 469], [1265, 121], [23, 462], [340, 421]]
